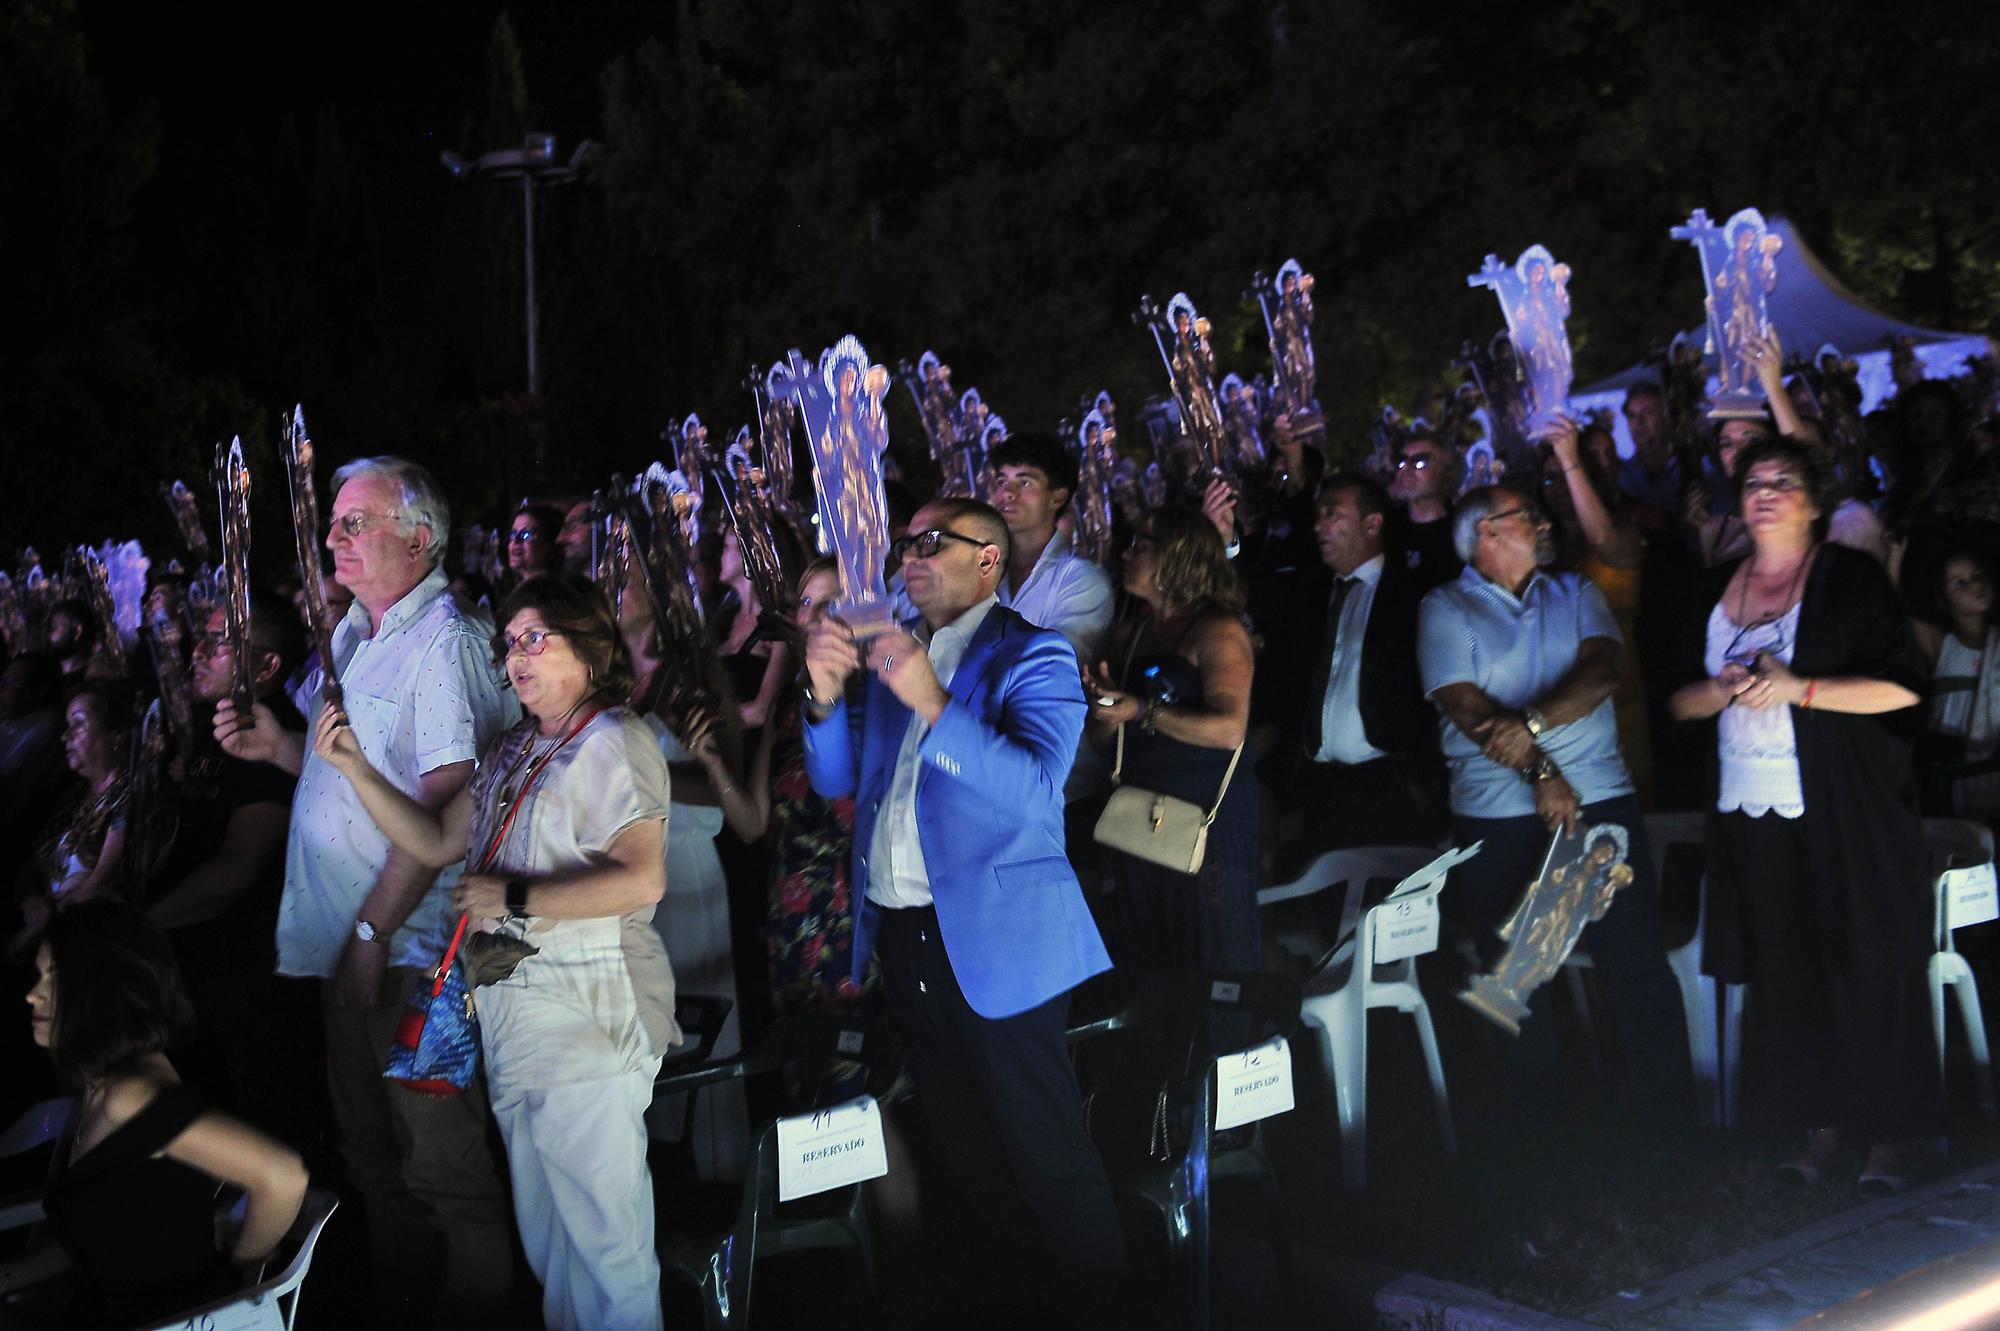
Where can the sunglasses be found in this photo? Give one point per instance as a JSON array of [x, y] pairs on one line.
[[522, 537], [924, 544]]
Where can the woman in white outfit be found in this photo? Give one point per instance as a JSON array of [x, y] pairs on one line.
[[571, 808]]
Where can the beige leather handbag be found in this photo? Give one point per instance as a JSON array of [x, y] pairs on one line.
[[1159, 829]]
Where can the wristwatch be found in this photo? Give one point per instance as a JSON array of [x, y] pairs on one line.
[[814, 705], [365, 931], [1152, 716], [1532, 718], [517, 899]]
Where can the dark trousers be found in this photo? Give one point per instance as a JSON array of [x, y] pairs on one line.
[[1005, 1116], [1624, 945], [1848, 1047], [1384, 802]]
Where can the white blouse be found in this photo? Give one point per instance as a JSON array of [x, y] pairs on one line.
[[597, 998], [1759, 749]]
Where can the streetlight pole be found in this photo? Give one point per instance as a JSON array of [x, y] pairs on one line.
[[532, 163]]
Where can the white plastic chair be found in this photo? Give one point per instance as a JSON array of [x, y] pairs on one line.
[[1346, 982], [272, 1301], [1971, 844], [38, 1125]]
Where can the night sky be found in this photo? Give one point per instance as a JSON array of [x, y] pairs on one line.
[[221, 213]]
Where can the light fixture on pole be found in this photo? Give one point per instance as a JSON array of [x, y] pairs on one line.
[[533, 163]]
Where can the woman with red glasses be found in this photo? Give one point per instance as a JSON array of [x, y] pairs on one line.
[[565, 822]]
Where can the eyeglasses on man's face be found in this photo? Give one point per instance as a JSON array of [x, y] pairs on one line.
[[1414, 462], [1533, 515], [1783, 483], [924, 544], [359, 520], [533, 641]]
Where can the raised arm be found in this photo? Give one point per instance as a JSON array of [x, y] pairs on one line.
[[431, 832]]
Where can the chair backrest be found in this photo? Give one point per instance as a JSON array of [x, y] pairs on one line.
[[1667, 830], [700, 1018], [1419, 888], [1964, 840], [314, 1211], [1956, 846], [38, 1125]]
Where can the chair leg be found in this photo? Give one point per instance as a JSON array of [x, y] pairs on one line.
[[1936, 973], [1974, 1022], [1734, 996], [1427, 1037], [1704, 1039], [1344, 1044]]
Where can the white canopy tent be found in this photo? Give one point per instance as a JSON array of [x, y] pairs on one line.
[[1811, 310]]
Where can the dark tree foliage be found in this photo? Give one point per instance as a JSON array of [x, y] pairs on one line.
[[197, 243]]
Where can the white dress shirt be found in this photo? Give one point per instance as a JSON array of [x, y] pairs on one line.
[[1345, 738], [1067, 594], [422, 693], [897, 876]]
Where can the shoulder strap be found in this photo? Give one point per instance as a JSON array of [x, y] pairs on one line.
[[1228, 772], [1124, 675]]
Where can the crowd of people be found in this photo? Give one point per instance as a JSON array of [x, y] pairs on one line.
[[904, 826]]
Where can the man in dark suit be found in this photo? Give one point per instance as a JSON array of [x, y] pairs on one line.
[[1372, 774], [955, 749]]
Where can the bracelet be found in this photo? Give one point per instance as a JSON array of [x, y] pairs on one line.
[[1152, 716], [814, 705], [1812, 687], [517, 899]]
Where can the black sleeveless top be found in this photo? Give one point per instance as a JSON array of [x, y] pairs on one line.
[[138, 1227]]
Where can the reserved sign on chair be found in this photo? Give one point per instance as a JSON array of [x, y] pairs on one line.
[[1253, 1084], [1406, 927], [830, 1148], [1971, 896]]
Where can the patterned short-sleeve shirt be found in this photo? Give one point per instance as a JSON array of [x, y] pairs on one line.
[[422, 693]]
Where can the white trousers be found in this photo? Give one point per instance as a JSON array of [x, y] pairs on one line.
[[584, 1200]]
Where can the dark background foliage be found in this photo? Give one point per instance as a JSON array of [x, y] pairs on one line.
[[210, 213]]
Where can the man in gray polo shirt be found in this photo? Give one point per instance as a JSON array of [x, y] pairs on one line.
[[1522, 664]]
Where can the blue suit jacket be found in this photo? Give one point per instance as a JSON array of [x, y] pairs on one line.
[[989, 813]]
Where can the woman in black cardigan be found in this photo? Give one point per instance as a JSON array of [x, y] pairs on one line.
[[1803, 654]]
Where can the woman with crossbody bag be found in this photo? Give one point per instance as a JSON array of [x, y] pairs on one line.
[[567, 817], [1176, 706]]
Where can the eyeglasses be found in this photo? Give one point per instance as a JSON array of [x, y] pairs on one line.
[[1419, 461], [1781, 484], [924, 544], [534, 642], [213, 644], [521, 536], [1534, 518], [360, 520]]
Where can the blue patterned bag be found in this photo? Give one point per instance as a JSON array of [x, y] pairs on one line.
[[436, 1049]]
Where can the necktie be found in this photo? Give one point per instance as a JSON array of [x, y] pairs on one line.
[[1323, 667]]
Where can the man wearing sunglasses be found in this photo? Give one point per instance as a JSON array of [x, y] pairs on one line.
[[1522, 664], [954, 746], [1426, 479]]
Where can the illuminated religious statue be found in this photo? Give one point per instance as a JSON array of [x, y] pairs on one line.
[[1739, 264], [1108, 409], [1092, 504], [929, 383], [1192, 366], [1581, 874], [775, 419], [1288, 315], [1242, 415], [841, 404], [1534, 295]]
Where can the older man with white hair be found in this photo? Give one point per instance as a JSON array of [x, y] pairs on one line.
[[425, 699]]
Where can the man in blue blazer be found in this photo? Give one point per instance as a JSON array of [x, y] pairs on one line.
[[955, 749]]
